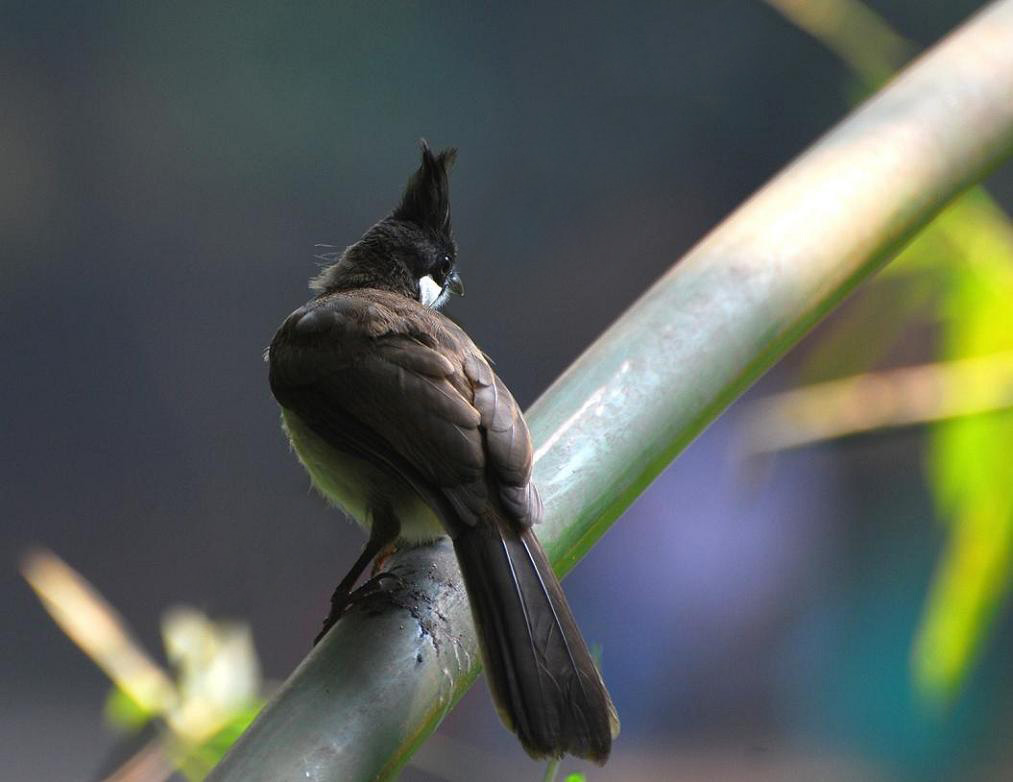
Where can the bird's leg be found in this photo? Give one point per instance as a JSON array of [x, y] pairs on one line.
[[381, 559], [382, 534]]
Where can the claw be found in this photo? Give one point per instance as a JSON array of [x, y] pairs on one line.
[[368, 588]]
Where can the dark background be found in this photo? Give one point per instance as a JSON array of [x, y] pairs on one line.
[[166, 173]]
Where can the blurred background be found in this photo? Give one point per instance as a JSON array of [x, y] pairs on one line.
[[782, 603]]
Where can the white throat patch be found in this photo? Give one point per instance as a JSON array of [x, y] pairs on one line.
[[430, 293]]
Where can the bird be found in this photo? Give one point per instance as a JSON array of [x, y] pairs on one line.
[[400, 420]]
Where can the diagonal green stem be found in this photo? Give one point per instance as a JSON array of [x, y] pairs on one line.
[[372, 691]]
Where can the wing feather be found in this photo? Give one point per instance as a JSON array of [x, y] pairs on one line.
[[406, 388]]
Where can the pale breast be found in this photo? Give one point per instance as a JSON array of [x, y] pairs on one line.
[[348, 482]]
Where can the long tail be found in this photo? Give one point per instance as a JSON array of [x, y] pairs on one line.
[[545, 684]]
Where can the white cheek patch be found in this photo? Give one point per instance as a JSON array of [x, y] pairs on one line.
[[429, 291]]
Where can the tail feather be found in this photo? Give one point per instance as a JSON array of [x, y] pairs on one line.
[[545, 684]]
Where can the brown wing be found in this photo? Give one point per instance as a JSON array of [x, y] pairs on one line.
[[378, 376], [507, 439]]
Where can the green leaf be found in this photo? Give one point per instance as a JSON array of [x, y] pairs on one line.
[[970, 467], [961, 265], [196, 762], [123, 713]]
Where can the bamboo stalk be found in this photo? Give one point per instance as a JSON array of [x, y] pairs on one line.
[[360, 703]]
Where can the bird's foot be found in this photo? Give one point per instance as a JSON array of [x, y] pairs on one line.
[[372, 586], [341, 603]]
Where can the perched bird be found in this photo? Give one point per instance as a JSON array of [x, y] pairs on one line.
[[400, 420]]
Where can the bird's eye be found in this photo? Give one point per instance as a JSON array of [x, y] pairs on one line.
[[445, 265]]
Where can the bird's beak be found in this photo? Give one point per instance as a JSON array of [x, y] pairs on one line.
[[454, 284]]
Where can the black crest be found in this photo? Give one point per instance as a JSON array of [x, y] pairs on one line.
[[426, 199]]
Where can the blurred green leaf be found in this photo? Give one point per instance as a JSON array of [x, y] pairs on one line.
[[217, 671], [970, 466], [957, 277], [124, 713], [196, 762], [216, 693]]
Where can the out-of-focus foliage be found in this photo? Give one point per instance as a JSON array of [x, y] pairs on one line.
[[956, 278], [217, 679], [197, 760], [198, 712], [854, 32], [124, 714], [552, 771], [970, 463], [217, 673]]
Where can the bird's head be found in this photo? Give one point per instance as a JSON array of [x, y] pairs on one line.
[[412, 250]]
